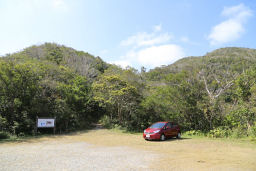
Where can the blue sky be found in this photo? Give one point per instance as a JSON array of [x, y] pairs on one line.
[[146, 33]]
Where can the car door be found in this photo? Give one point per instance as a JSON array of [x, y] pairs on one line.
[[174, 130], [168, 131]]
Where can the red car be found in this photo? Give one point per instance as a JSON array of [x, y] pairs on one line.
[[162, 131]]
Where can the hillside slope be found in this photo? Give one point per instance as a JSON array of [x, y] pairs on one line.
[[229, 61], [217, 90], [81, 62]]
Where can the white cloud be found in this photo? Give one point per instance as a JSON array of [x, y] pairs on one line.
[[122, 63], [152, 56], [146, 39], [163, 38], [237, 11], [232, 28], [158, 28], [150, 49], [160, 55], [226, 31]]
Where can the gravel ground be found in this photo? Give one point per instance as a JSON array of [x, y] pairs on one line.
[[54, 155], [102, 149]]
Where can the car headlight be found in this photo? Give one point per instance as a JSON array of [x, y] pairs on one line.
[[156, 131]]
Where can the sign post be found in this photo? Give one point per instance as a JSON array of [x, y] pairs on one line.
[[46, 123]]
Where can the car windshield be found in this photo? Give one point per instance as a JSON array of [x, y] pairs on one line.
[[158, 125]]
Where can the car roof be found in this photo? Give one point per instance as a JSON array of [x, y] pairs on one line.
[[162, 122], [166, 122]]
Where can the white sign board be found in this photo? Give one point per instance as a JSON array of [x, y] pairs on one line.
[[45, 123]]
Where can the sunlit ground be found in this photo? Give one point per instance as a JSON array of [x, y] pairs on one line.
[[184, 154]]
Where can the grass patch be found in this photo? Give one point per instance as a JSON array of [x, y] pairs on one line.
[[125, 131], [243, 141]]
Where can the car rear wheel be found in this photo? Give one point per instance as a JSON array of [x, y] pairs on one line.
[[178, 135], [162, 137]]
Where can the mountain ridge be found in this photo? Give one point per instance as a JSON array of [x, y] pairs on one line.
[[236, 59], [223, 58], [81, 62]]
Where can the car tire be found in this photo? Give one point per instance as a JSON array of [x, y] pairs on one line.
[[178, 135], [162, 137]]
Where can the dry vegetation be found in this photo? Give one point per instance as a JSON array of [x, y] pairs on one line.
[[184, 154]]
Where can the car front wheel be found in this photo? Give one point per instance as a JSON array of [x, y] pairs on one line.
[[162, 137]]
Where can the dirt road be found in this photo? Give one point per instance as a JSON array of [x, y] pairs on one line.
[[111, 150]]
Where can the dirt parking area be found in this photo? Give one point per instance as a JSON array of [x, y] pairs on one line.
[[112, 150]]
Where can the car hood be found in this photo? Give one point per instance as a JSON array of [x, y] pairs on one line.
[[152, 129]]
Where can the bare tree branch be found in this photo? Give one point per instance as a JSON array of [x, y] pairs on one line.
[[220, 90], [229, 84], [216, 79], [206, 87]]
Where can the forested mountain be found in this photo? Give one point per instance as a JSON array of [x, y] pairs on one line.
[[81, 62], [49, 80], [215, 93], [207, 91], [224, 60]]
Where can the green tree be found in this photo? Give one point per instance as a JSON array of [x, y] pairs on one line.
[[118, 97]]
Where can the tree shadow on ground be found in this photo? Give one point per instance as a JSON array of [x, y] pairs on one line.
[[39, 136], [170, 140], [48, 135]]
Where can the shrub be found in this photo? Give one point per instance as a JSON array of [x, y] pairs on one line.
[[106, 121], [194, 132], [219, 132], [238, 132], [21, 134], [254, 130], [4, 135], [118, 127]]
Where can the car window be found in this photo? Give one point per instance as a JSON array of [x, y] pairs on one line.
[[173, 125], [168, 125], [158, 125]]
